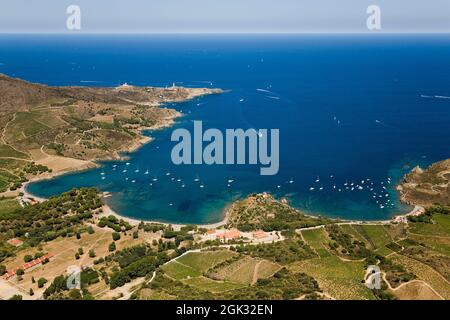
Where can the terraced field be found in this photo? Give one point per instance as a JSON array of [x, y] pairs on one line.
[[190, 269], [317, 239], [425, 273], [340, 279], [377, 236], [203, 261], [246, 270]]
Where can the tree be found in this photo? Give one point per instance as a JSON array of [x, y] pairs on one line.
[[91, 253], [112, 247], [16, 297], [41, 282], [77, 256], [27, 258], [2, 269], [80, 251], [135, 235], [31, 292], [115, 236], [20, 272], [75, 294]]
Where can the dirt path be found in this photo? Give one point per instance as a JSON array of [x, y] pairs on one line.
[[4, 134], [255, 272], [409, 282]]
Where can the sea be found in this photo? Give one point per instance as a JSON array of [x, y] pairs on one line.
[[354, 112]]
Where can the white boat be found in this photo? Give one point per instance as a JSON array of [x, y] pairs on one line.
[[127, 163], [312, 188], [202, 186], [146, 172]]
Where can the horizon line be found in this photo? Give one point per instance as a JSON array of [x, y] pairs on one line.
[[71, 33]]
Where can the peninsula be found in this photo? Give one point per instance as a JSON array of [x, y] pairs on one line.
[[50, 130]]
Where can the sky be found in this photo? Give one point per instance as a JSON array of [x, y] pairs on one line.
[[224, 16]]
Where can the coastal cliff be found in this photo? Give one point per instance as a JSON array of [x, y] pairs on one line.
[[427, 187], [47, 130]]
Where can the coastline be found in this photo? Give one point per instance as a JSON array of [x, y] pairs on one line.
[[107, 211], [142, 140]]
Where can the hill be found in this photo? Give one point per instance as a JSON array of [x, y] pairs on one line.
[[47, 128]]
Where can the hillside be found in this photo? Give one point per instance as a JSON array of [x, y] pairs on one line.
[[47, 128], [426, 187]]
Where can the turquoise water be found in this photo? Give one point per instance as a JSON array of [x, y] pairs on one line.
[[349, 109]]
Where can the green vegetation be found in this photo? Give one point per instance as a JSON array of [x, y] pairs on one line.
[[203, 261], [344, 244], [112, 222], [60, 216], [262, 211], [318, 240], [283, 252], [282, 285]]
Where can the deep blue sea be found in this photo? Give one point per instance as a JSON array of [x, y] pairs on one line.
[[355, 113]]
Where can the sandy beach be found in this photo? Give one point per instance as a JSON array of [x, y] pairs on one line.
[[107, 211]]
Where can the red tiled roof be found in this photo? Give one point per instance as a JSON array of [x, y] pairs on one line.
[[232, 234], [27, 265]]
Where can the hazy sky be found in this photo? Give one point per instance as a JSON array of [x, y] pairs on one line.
[[156, 16]]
